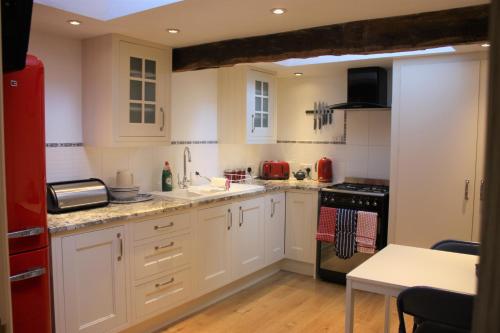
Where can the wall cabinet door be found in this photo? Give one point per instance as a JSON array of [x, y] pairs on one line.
[[142, 91], [94, 281], [248, 248], [261, 109], [434, 139], [275, 227], [301, 213], [214, 247]]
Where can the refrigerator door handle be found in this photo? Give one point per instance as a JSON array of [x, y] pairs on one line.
[[28, 275], [25, 233]]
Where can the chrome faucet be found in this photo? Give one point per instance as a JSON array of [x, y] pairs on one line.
[[185, 180]]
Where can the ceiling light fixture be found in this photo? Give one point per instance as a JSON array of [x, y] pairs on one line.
[[485, 45], [173, 31], [74, 22], [278, 11], [298, 74]]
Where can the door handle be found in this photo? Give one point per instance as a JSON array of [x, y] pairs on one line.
[[466, 194], [36, 272], [230, 219], [119, 235], [272, 208], [253, 123], [162, 119], [25, 233], [481, 190]]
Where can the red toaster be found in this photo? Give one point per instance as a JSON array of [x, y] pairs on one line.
[[275, 170]]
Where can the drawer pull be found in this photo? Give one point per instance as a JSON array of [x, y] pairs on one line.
[[158, 227], [159, 285], [164, 246]]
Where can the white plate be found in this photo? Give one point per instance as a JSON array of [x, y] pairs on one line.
[[141, 197]]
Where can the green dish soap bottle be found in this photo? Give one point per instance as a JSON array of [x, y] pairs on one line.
[[166, 178]]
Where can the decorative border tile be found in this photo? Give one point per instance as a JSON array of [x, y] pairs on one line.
[[195, 142], [63, 144]]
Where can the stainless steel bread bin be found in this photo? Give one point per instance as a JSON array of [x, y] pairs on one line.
[[76, 195]]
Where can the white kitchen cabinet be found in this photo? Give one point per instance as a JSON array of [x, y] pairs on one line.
[[434, 154], [301, 217], [126, 91], [246, 105], [248, 249], [213, 247], [275, 227], [93, 279]]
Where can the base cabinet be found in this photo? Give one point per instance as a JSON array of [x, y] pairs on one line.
[[93, 270], [213, 247], [301, 217], [275, 227]]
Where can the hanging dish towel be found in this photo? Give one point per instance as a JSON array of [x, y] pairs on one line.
[[345, 244], [366, 232], [326, 227]]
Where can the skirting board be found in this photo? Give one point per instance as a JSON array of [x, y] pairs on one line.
[[160, 322]]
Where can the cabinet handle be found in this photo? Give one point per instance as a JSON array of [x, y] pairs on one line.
[[230, 219], [466, 194], [253, 123], [481, 190], [158, 285], [162, 119], [121, 246], [28, 275], [164, 246], [272, 208], [157, 227], [241, 216]]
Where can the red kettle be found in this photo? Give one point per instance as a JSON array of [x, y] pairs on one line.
[[324, 167]]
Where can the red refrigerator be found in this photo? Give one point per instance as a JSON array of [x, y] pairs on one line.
[[24, 131]]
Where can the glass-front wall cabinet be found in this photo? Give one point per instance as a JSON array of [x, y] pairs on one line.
[[261, 109], [143, 91]]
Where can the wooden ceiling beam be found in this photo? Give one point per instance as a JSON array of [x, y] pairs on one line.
[[399, 33]]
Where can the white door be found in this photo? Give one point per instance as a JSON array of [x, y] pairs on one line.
[[436, 105], [481, 146], [248, 239], [143, 91], [275, 227], [214, 247], [300, 223], [94, 281], [261, 99]]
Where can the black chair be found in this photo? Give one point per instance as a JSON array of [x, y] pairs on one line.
[[457, 246], [437, 310]]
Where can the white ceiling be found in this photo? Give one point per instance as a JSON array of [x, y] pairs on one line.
[[202, 21]]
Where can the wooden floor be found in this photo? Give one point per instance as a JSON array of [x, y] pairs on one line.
[[288, 302]]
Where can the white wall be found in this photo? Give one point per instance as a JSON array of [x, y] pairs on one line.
[[62, 58], [194, 112]]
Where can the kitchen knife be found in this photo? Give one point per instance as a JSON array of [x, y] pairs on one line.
[[325, 114], [320, 120], [330, 116], [315, 115]]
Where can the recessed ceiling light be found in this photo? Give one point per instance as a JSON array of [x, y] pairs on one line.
[[74, 22], [173, 31], [278, 11], [298, 74], [485, 45]]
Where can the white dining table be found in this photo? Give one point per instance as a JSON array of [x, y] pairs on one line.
[[396, 268]]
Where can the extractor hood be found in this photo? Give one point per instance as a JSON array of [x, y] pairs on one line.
[[366, 89]]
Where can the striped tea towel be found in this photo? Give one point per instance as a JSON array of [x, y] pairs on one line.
[[326, 227], [366, 231], [345, 244]]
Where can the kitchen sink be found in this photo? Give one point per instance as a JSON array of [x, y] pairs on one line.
[[208, 192]]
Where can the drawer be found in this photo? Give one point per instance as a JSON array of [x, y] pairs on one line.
[[162, 293], [162, 255], [161, 226]]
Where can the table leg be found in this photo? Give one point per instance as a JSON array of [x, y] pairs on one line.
[[349, 307], [387, 323]]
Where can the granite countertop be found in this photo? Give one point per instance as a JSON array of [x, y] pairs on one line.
[[117, 212]]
